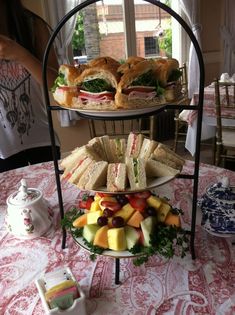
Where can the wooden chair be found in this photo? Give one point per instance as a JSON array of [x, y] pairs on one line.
[[225, 122], [122, 128], [181, 125]]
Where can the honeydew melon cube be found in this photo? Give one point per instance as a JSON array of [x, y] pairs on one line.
[[89, 232], [132, 236], [147, 226], [163, 211], [95, 206], [154, 202], [117, 239], [93, 216], [125, 212]]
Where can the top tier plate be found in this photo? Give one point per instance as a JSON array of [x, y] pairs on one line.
[[117, 112]]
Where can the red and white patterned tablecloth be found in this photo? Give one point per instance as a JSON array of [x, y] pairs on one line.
[[176, 286]]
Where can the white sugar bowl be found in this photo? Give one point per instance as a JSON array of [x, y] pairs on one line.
[[28, 213]]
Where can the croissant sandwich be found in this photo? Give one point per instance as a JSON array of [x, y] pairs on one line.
[[139, 87], [97, 87], [65, 88]]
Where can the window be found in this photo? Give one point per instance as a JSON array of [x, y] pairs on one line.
[[151, 46], [112, 31]]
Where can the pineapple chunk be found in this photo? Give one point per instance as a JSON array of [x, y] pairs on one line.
[[95, 206], [117, 239], [154, 202], [125, 212], [163, 211], [93, 216]]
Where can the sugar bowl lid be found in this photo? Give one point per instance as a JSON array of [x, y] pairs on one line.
[[24, 196], [218, 197]]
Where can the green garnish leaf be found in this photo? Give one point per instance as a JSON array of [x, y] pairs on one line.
[[96, 86], [60, 81]]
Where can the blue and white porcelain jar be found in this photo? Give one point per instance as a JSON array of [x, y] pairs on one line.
[[218, 208]]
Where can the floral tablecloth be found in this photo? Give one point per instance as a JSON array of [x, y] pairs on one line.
[[160, 286]]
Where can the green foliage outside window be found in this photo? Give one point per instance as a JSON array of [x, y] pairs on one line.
[[78, 39], [165, 42]]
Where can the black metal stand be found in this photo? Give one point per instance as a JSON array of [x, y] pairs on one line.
[[117, 270], [198, 107]]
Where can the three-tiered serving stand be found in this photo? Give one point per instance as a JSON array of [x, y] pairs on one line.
[[130, 115]]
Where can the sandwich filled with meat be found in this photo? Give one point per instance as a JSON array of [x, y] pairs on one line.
[[97, 87], [65, 88], [169, 76], [139, 86]]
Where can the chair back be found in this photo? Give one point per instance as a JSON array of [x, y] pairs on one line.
[[122, 128], [225, 117], [184, 85]]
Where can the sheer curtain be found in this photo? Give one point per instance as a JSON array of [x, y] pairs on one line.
[[228, 35], [192, 11], [55, 10]]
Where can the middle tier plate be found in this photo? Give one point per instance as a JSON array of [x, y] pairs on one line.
[[151, 184]]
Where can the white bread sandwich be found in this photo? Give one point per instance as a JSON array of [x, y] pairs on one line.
[[97, 145], [139, 87], [116, 177], [117, 150], [65, 88], [76, 172], [94, 177], [136, 173], [147, 148], [134, 143], [97, 88], [155, 168], [166, 156], [69, 163]]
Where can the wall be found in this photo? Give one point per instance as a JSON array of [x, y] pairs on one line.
[[211, 20]]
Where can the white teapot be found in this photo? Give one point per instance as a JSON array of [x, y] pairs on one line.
[[28, 214]]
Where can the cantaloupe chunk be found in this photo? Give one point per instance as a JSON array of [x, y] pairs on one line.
[[80, 221], [172, 219], [135, 219], [101, 237]]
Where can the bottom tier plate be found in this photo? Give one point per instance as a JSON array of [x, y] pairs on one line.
[[110, 253]]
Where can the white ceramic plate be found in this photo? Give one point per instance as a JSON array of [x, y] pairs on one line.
[[110, 253], [116, 112], [151, 184]]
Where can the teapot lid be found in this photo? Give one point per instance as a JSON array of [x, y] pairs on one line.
[[221, 191], [24, 196]]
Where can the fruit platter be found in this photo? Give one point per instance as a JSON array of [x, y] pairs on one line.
[[136, 225]]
